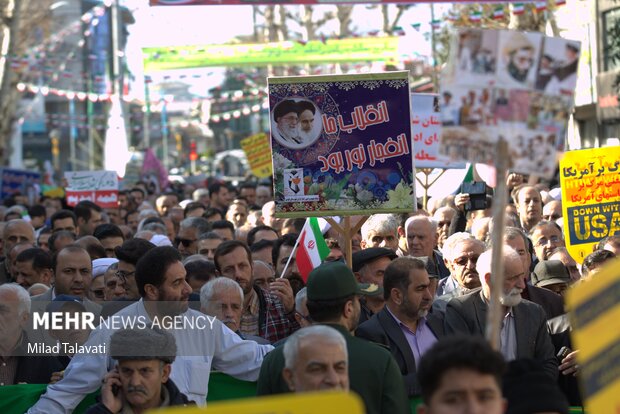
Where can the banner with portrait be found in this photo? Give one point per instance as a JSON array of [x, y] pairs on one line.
[[341, 144], [515, 85], [590, 181]]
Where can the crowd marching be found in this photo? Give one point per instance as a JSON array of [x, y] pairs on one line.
[[406, 320]]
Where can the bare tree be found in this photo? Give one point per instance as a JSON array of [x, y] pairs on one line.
[[389, 25]]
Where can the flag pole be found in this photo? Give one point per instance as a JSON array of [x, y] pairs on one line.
[[292, 251]]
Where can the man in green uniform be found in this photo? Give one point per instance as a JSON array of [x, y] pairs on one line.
[[333, 299]]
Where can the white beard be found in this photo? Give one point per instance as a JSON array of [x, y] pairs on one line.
[[306, 136], [512, 298]]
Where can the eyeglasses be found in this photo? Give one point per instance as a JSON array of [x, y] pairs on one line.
[[462, 261], [544, 241], [124, 275], [186, 242]]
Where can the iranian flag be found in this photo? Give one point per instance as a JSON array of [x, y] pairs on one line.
[[541, 6], [498, 13], [518, 8], [475, 16], [312, 249]]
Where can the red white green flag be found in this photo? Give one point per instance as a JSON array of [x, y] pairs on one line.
[[518, 8], [541, 6], [312, 249], [498, 13], [475, 16]]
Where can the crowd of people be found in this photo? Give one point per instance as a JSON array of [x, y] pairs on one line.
[[406, 320]]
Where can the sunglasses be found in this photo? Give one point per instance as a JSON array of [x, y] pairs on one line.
[[185, 242]]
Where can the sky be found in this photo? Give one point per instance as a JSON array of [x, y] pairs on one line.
[[196, 25]]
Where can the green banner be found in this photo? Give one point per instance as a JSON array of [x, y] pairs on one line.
[[262, 54]]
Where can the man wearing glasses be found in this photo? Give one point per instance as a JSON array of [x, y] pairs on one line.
[[546, 237], [128, 255], [461, 252], [190, 228]]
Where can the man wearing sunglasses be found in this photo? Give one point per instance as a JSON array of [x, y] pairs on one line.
[[461, 252], [190, 228]]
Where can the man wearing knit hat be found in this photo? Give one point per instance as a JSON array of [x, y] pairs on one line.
[[140, 380], [333, 300]]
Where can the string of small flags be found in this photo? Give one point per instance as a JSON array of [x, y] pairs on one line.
[[498, 13]]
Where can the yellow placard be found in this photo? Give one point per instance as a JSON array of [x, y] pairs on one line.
[[258, 152], [594, 310], [307, 403], [590, 181]]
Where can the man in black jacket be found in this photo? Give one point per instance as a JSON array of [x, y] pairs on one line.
[[405, 325], [141, 380]]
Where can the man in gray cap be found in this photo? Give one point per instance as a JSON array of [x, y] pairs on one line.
[[140, 381], [369, 266], [551, 275], [333, 300]]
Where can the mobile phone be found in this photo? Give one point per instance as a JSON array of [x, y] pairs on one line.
[[115, 389], [563, 353]]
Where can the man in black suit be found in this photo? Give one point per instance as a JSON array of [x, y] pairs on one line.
[[404, 325], [524, 329]]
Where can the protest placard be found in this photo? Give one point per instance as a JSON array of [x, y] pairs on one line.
[[426, 121], [258, 152], [341, 144], [594, 310], [590, 181], [23, 182], [100, 187], [512, 85]]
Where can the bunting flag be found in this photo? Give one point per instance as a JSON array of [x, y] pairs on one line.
[[518, 9], [417, 26], [311, 249], [541, 6], [399, 31], [475, 16], [498, 13], [436, 24], [560, 3]]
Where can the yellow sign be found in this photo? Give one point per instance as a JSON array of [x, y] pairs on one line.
[[258, 151], [594, 310], [307, 403], [590, 182]]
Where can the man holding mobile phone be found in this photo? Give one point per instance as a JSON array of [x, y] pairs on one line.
[[140, 381]]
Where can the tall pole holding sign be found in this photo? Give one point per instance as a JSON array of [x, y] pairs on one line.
[[497, 241]]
